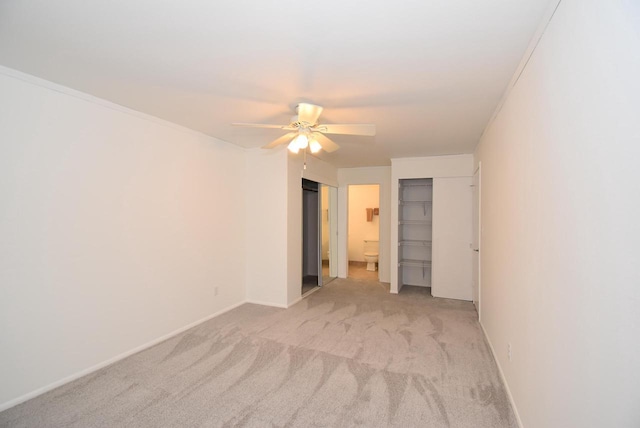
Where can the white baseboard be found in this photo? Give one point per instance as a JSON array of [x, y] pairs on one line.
[[279, 305], [262, 303], [504, 380], [298, 300], [56, 384]]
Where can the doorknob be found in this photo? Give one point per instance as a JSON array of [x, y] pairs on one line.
[[477, 250]]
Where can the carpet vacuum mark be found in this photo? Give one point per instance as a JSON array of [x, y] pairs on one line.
[[349, 355]]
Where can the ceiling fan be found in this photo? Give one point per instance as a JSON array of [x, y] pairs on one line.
[[307, 132]]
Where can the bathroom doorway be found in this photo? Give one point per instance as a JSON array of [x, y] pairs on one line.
[[363, 239]]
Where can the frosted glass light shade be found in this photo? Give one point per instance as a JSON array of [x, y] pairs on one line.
[[301, 141], [314, 146], [293, 146]]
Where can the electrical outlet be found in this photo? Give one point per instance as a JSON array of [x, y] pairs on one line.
[[215, 293], [509, 351]]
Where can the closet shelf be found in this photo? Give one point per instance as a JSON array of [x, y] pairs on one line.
[[415, 243], [415, 222], [415, 263], [414, 231], [414, 202]]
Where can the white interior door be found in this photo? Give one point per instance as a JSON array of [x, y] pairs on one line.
[[476, 239]]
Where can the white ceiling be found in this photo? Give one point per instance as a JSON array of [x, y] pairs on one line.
[[427, 73]]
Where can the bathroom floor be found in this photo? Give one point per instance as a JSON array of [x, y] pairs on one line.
[[358, 270]]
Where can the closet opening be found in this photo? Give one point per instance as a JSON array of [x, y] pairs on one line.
[[319, 235], [415, 219], [363, 226], [310, 227]]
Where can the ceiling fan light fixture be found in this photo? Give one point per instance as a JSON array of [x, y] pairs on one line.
[[314, 146], [293, 147], [306, 133], [301, 141]]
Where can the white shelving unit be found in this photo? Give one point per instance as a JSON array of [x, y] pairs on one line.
[[415, 198]]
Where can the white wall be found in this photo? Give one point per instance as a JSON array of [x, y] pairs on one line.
[[374, 175], [317, 170], [426, 167], [432, 166], [561, 222], [266, 242], [116, 229], [361, 197], [274, 223]]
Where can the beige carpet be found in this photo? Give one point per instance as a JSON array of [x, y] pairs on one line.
[[348, 355]]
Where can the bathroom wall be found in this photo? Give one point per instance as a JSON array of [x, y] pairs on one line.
[[362, 197]]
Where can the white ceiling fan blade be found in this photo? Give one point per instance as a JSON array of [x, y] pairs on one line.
[[264, 125], [309, 113], [282, 140], [327, 145], [352, 129]]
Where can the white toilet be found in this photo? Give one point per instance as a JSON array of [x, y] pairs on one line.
[[371, 254]]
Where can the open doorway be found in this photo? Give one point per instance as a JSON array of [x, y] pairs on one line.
[[319, 235], [363, 227], [311, 265]]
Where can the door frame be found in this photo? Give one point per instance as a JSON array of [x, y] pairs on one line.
[[477, 218], [332, 209]]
